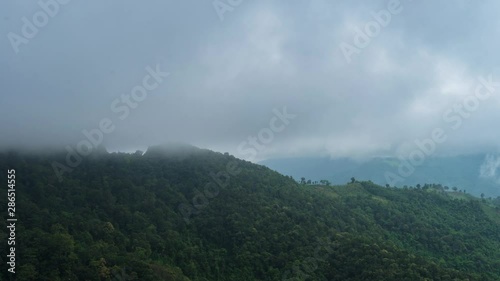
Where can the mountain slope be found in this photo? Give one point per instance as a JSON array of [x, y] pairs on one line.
[[192, 214], [460, 171]]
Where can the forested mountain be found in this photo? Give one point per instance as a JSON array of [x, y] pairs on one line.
[[476, 173], [185, 213]]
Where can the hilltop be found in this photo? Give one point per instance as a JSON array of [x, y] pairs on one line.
[[186, 213]]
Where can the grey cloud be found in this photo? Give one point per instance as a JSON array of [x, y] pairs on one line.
[[228, 76]]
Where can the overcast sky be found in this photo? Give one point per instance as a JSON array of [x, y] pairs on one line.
[[232, 64]]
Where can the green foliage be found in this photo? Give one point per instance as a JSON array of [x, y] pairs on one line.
[[117, 217]]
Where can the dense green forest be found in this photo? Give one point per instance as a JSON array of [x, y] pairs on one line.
[[193, 214]]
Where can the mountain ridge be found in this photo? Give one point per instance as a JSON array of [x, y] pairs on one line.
[[462, 171], [120, 214]]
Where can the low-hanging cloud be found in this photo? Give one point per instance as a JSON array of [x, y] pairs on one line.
[[490, 168], [228, 75]]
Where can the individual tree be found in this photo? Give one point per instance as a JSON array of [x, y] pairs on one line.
[[302, 180], [353, 180], [454, 188]]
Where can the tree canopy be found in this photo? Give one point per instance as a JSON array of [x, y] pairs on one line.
[[201, 215]]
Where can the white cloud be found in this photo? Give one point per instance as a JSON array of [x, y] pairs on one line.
[[490, 168]]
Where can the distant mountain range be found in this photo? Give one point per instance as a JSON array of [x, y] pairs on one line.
[[475, 174]]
